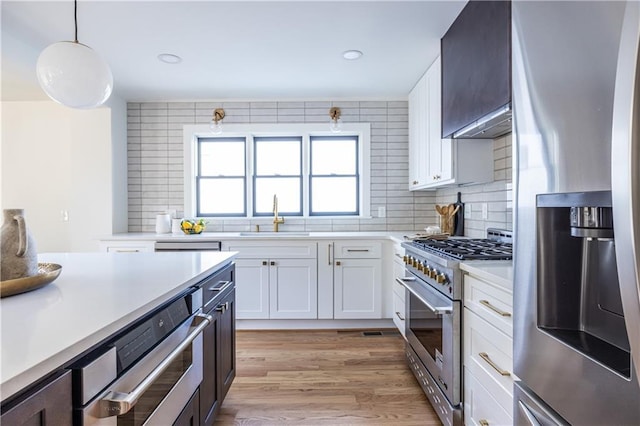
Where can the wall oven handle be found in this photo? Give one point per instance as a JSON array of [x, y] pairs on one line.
[[403, 280], [118, 403], [438, 310]]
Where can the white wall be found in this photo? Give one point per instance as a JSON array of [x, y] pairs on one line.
[[57, 159]]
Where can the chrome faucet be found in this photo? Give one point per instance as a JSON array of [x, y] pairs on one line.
[[276, 220]]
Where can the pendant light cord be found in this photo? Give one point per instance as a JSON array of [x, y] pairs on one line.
[[75, 17]]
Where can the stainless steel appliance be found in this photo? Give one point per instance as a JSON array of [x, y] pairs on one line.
[[577, 322], [188, 245], [148, 373], [433, 298]]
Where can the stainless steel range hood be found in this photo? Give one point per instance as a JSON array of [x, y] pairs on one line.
[[492, 125]]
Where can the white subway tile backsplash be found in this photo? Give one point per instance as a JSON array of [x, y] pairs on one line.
[[155, 165]]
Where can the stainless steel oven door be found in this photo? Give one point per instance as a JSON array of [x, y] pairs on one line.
[[156, 389], [433, 330]]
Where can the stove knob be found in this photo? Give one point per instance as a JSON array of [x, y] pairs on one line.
[[414, 262], [420, 266], [427, 270], [433, 273], [441, 278], [405, 259]]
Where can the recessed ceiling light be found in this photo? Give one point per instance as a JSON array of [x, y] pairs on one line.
[[169, 58], [351, 54]]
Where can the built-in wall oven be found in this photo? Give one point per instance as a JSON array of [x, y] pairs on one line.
[[433, 326], [148, 373]]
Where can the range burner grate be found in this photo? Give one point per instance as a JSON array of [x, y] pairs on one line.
[[467, 249]]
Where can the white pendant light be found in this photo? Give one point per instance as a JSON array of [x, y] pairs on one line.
[[73, 74]]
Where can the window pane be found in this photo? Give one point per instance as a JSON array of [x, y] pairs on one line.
[[277, 157], [287, 190], [334, 195], [223, 157], [221, 197], [333, 156]]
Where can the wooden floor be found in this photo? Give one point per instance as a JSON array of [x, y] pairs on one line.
[[323, 378]]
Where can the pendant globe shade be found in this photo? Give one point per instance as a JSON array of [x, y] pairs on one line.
[[74, 75]]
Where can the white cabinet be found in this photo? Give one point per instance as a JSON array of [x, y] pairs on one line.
[[434, 161], [398, 289], [488, 352], [128, 246], [275, 280], [354, 269]]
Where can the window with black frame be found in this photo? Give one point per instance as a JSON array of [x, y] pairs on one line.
[[277, 171], [334, 176], [221, 177]]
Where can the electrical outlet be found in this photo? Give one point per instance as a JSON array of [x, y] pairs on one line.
[[382, 212], [485, 211]]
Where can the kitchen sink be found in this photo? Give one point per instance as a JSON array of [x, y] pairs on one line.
[[273, 234]]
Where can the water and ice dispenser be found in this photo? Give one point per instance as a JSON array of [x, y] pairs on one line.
[[578, 297]]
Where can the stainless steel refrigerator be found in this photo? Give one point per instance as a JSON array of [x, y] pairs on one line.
[[576, 102]]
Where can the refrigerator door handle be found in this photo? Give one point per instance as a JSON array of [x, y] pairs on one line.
[[528, 414], [625, 175]]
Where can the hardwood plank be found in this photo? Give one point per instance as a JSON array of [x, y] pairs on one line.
[[325, 377]]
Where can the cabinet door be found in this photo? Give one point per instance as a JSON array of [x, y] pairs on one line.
[[440, 159], [357, 288], [293, 289], [190, 415], [226, 344], [49, 405], [209, 396], [418, 134], [252, 287]]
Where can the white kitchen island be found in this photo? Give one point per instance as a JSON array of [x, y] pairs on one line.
[[96, 295]]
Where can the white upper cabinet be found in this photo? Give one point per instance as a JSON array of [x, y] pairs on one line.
[[436, 162]]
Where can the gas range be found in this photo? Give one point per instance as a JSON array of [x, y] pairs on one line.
[[437, 261]]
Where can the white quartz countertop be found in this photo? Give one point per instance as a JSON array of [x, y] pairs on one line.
[[224, 236], [497, 271], [95, 295]]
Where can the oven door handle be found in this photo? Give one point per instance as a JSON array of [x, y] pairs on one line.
[[438, 310], [118, 403]]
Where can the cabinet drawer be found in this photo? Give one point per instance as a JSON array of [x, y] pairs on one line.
[[488, 354], [357, 250], [216, 285], [127, 246], [284, 250], [480, 408], [490, 302]]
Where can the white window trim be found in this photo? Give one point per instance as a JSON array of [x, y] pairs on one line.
[[192, 132]]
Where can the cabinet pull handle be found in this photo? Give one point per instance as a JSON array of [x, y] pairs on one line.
[[494, 309], [221, 285], [338, 263], [483, 422], [329, 252], [357, 250], [264, 263], [127, 250], [485, 356], [399, 316], [272, 263]]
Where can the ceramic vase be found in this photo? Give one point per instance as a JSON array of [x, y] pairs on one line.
[[18, 249]]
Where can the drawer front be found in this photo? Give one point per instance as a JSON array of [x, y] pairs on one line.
[[398, 313], [217, 285], [480, 408], [357, 250], [284, 250], [488, 354], [490, 302]]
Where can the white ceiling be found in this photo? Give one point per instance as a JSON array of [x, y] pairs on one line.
[[234, 49]]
